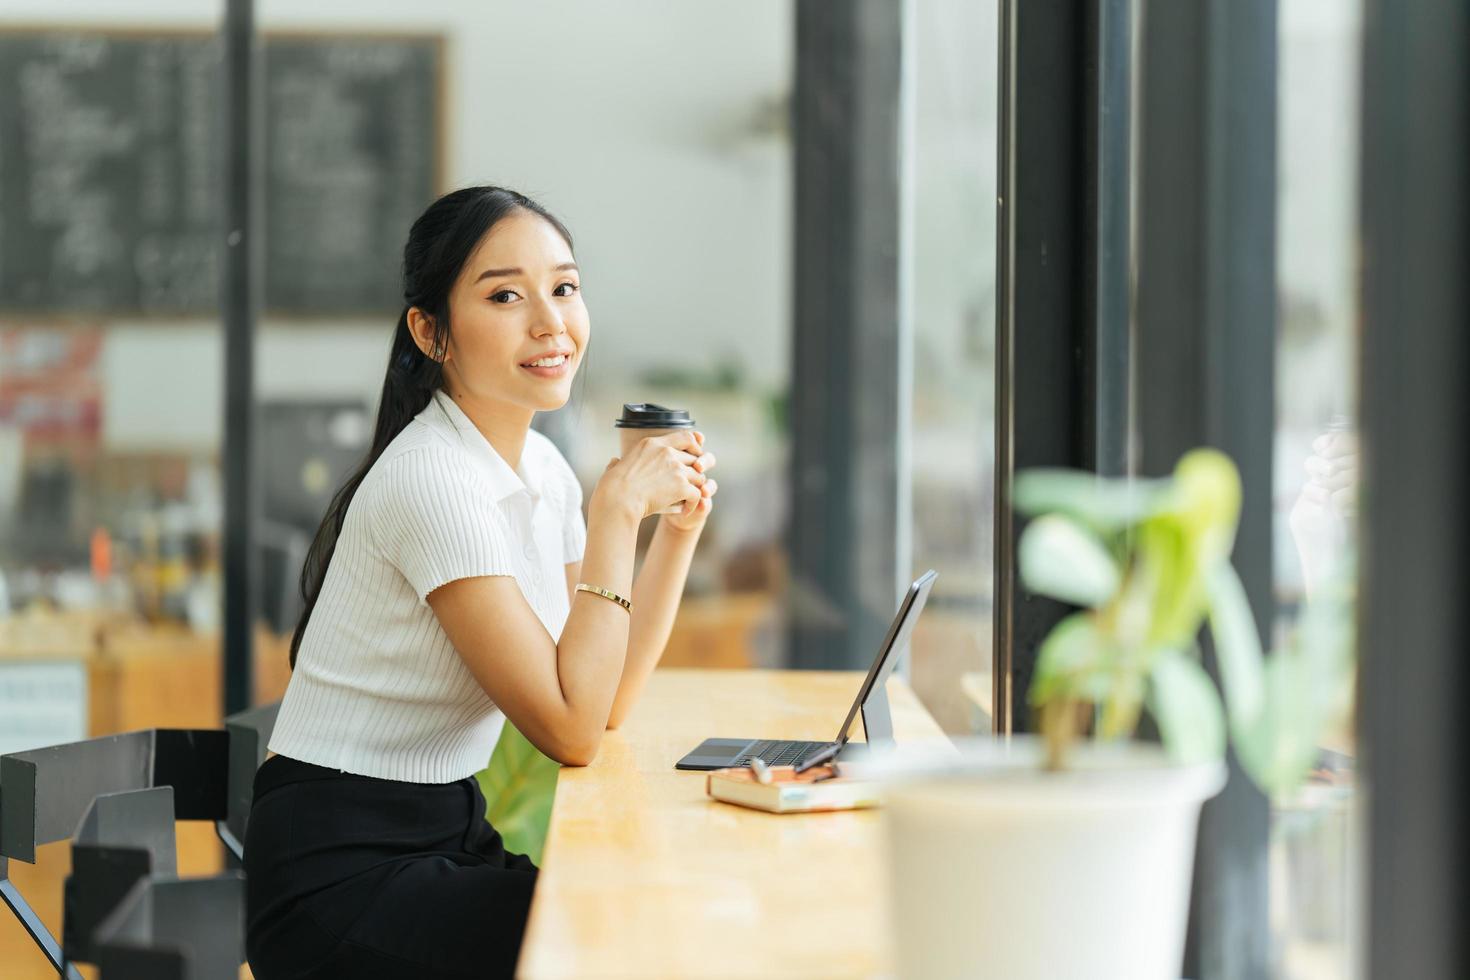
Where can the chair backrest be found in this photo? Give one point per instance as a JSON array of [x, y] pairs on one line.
[[140, 818], [45, 792], [249, 733], [171, 928], [123, 837]]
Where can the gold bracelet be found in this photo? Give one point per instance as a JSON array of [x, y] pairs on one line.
[[584, 587]]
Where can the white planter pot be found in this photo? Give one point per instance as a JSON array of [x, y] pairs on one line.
[[998, 869]]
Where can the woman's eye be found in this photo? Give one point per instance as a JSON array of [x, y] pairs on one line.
[[496, 297], [570, 288]]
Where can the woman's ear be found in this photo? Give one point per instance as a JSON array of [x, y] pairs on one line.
[[421, 326]]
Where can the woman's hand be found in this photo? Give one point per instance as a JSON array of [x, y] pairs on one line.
[[658, 472], [693, 516], [1321, 520]]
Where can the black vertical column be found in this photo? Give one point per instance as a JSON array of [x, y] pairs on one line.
[[1414, 683], [242, 276], [849, 345], [1061, 321], [1108, 81], [1206, 364]]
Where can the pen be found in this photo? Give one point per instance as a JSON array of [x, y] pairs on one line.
[[761, 771], [821, 755]]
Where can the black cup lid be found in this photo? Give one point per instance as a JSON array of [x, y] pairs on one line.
[[650, 416]]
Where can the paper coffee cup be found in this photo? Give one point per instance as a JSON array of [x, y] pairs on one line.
[[644, 421]]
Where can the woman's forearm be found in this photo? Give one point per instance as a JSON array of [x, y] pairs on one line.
[[656, 595], [591, 652]]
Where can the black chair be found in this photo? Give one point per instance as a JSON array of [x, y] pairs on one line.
[[249, 733], [103, 793], [126, 909], [122, 838], [168, 928]]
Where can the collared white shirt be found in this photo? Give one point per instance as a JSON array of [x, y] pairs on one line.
[[378, 688]]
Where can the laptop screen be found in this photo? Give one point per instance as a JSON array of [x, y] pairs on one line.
[[894, 644]]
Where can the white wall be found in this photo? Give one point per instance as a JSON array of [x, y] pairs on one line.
[[163, 385], [654, 128]]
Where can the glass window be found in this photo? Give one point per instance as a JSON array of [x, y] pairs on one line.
[[953, 437], [1314, 866]]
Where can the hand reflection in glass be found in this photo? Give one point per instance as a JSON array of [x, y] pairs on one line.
[[1323, 516]]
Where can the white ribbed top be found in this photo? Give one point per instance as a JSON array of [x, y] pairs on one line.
[[378, 688]]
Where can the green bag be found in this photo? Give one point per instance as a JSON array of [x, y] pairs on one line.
[[519, 786]]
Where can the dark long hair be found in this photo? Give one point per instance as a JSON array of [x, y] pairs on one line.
[[439, 244]]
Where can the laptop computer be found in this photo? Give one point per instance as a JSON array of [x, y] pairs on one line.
[[871, 700]]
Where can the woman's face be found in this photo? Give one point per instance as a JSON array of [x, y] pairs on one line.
[[518, 327]]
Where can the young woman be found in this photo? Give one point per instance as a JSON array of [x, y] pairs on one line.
[[443, 596]]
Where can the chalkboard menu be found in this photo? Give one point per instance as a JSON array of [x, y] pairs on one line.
[[110, 178]]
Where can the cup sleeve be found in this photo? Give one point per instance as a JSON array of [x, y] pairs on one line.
[[439, 522]]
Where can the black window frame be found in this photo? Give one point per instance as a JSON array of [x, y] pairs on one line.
[[852, 340], [1061, 348], [242, 290], [1415, 235]]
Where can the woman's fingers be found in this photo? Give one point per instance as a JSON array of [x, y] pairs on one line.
[[1317, 495], [692, 496], [680, 452], [685, 440], [700, 506]]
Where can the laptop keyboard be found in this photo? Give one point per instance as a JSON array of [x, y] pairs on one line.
[[778, 753]]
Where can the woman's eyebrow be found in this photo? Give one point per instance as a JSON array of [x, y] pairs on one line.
[[517, 271]]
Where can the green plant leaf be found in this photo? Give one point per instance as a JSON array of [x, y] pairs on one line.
[[1189, 536], [1103, 504], [1279, 749], [1060, 558], [1169, 571], [1071, 664], [519, 784], [1183, 701], [1306, 685], [1206, 497], [1237, 648]]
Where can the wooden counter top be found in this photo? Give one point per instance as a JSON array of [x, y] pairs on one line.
[[645, 876]]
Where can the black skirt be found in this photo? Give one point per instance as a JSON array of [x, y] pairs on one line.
[[352, 876]]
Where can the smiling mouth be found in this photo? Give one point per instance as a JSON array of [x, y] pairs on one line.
[[555, 360]]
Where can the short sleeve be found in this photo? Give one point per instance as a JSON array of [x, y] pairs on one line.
[[437, 521], [573, 524]]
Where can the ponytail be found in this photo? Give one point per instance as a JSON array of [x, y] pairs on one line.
[[410, 383]]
